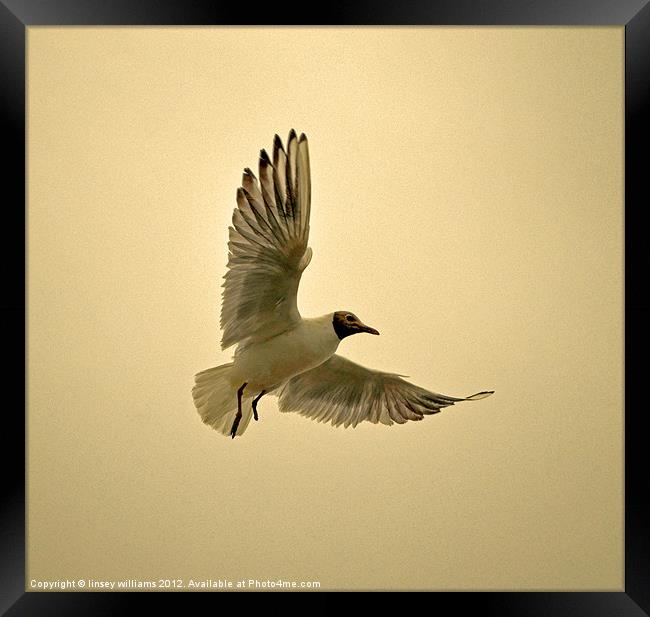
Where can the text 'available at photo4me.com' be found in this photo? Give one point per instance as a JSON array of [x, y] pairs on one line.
[[166, 584]]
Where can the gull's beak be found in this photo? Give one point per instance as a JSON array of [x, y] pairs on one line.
[[368, 329]]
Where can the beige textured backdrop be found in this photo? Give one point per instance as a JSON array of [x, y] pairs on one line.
[[467, 202]]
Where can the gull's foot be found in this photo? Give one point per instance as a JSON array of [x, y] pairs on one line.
[[235, 425], [255, 401]]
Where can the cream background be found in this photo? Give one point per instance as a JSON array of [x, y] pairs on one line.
[[467, 202]]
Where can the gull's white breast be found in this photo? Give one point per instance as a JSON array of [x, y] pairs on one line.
[[268, 364]]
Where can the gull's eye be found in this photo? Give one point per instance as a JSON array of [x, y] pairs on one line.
[[349, 318]]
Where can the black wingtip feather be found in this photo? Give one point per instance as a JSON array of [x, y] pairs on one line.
[[303, 137], [292, 134], [264, 157], [480, 395], [277, 143]]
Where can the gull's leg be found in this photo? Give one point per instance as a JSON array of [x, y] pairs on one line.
[[235, 424], [262, 393]]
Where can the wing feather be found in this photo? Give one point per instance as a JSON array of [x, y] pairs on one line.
[[345, 393], [268, 245]]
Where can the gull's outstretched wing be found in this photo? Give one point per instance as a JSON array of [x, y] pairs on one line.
[[268, 245], [342, 392]]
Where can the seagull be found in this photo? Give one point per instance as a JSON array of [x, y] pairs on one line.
[[278, 351]]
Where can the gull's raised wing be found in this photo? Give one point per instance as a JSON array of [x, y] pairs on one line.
[[344, 393], [268, 245]]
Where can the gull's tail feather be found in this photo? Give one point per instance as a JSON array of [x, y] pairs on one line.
[[215, 399]]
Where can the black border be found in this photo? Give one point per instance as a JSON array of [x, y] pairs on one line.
[[16, 15]]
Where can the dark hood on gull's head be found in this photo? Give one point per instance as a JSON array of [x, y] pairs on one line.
[[346, 324]]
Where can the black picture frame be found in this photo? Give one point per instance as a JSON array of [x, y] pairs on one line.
[[17, 15]]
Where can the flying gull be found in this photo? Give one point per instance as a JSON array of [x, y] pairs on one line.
[[278, 351]]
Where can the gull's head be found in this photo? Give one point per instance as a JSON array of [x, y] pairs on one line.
[[346, 323]]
